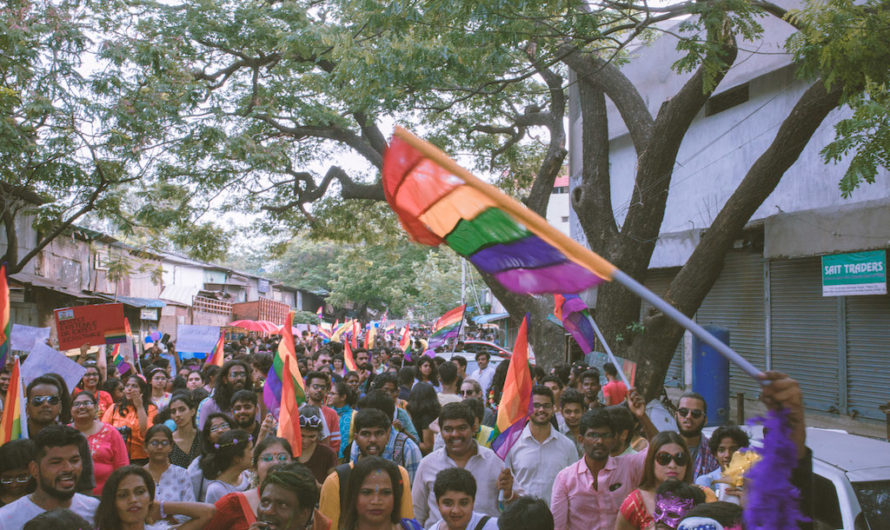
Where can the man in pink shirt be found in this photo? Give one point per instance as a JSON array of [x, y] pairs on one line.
[[588, 493]]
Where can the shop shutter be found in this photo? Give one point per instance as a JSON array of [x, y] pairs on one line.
[[736, 303], [868, 354], [658, 281], [804, 332]]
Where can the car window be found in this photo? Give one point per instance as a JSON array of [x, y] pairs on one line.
[[874, 499], [827, 509]]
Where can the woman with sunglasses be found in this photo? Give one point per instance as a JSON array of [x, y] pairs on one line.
[[319, 458], [171, 482], [90, 383], [134, 412], [107, 446], [186, 439], [15, 479], [225, 467], [667, 459], [237, 511]]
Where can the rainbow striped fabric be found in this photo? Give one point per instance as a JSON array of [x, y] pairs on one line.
[[12, 422], [273, 385], [515, 407], [119, 354], [289, 414], [348, 358], [447, 326], [217, 356], [405, 343], [5, 317], [576, 319], [437, 201], [320, 311]]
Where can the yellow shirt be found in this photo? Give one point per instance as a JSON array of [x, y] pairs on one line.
[[329, 503]]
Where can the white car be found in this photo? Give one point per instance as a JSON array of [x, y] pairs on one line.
[[494, 360]]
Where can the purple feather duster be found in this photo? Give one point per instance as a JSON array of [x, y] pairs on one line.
[[773, 501]]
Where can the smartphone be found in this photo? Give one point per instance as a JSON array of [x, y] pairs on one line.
[[165, 339]]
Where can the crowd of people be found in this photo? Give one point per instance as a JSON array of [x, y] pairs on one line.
[[398, 443]]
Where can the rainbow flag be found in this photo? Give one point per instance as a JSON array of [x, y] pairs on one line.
[[289, 415], [13, 425], [576, 319], [325, 332], [217, 356], [319, 312], [273, 386], [348, 359], [355, 330], [122, 353], [515, 407], [438, 201], [340, 330], [371, 337], [5, 317], [405, 343], [447, 326]]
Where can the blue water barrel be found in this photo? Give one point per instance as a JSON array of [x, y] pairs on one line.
[[710, 376]]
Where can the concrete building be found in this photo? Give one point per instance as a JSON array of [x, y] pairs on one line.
[[559, 207], [770, 292]]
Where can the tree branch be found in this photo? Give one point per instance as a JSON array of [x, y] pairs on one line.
[[330, 132]]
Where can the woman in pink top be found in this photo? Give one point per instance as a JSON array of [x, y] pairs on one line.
[[107, 447]]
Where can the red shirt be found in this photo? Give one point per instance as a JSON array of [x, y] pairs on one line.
[[615, 392]]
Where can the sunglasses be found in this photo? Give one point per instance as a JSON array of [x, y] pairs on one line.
[[696, 414], [40, 400], [281, 457], [664, 459], [312, 422]]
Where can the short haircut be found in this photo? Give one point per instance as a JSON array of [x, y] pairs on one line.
[[55, 435], [570, 395], [460, 361], [739, 436], [621, 417], [476, 406], [370, 418], [16, 454], [594, 419], [485, 353], [448, 373], [456, 411], [541, 390], [610, 369], [155, 429], [553, 379], [244, 395], [694, 395], [296, 478], [476, 386], [382, 379], [58, 519], [527, 513], [315, 374], [378, 399], [454, 479], [406, 376], [590, 373]]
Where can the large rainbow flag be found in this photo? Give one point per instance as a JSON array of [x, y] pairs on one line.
[[289, 415], [12, 422], [217, 356], [515, 407], [447, 326], [576, 319], [348, 358], [5, 317], [273, 386]]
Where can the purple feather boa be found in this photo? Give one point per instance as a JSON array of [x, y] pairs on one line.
[[772, 500]]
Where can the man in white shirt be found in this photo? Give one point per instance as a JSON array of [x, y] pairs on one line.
[[541, 451], [484, 374], [461, 450], [57, 466]]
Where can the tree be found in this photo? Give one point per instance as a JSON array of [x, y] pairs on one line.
[[255, 99]]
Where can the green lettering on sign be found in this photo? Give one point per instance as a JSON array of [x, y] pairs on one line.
[[857, 273]]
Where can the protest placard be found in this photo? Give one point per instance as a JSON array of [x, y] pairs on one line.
[[25, 337], [44, 359], [196, 339], [96, 325]]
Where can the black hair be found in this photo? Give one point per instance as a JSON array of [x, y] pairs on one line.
[[84, 393], [64, 397], [155, 429], [538, 374], [562, 371], [346, 391], [210, 372], [594, 419], [739, 436], [497, 381], [456, 411], [123, 406], [231, 445], [378, 399], [483, 352], [448, 373], [58, 519], [541, 390], [527, 513], [155, 370], [16, 454], [590, 372], [621, 418], [267, 442], [180, 383], [476, 406], [610, 369], [222, 393], [460, 361], [434, 370], [681, 489], [107, 517], [369, 418], [570, 395], [423, 405], [362, 469], [296, 478], [454, 479], [726, 513], [110, 384], [261, 362], [55, 435], [382, 379], [315, 374], [552, 379], [694, 395], [243, 395], [206, 444], [406, 376]]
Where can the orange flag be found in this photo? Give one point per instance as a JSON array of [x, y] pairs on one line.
[[289, 415], [354, 334]]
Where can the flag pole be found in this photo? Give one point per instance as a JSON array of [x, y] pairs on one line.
[[612, 359], [694, 328]]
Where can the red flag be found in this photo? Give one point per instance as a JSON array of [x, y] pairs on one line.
[[354, 334], [289, 415], [348, 359]]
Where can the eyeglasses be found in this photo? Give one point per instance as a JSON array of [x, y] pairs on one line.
[[81, 404], [36, 401], [159, 443], [599, 435], [24, 478], [311, 422], [281, 457], [220, 427], [664, 459], [696, 414], [545, 406]]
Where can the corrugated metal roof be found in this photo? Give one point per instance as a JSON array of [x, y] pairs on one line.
[[180, 294], [134, 301]]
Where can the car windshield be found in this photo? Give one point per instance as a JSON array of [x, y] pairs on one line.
[[874, 499]]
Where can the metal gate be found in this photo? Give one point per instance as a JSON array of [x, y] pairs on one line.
[[868, 354], [805, 331], [736, 302], [658, 281]]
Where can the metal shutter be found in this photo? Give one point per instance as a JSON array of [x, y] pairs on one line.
[[804, 332], [658, 281], [736, 302], [868, 354]]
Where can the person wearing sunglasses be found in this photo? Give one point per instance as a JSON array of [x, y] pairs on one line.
[[15, 479], [47, 403], [237, 510], [319, 458]]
